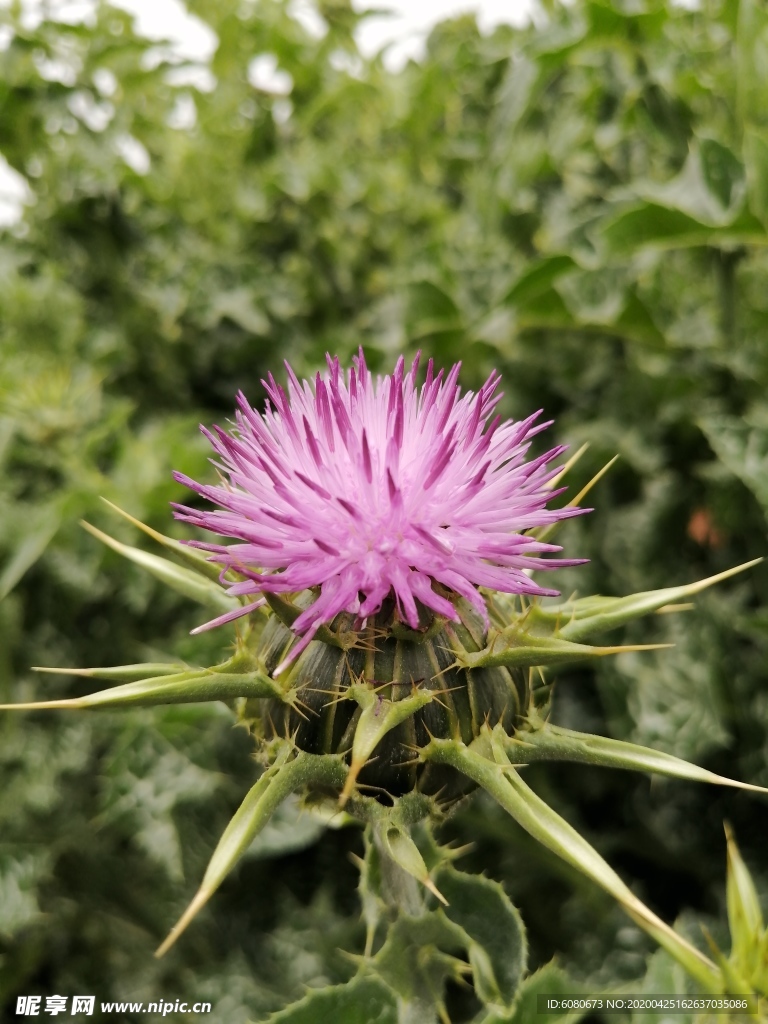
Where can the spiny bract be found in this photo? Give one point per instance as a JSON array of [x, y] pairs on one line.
[[386, 505], [374, 672]]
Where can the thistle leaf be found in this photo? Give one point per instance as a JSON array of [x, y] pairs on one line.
[[119, 673], [733, 982], [416, 960], [362, 999], [237, 677], [287, 774], [42, 524], [504, 784], [497, 947], [182, 551], [184, 581], [584, 617], [744, 915], [548, 742], [549, 980], [512, 648], [369, 888]]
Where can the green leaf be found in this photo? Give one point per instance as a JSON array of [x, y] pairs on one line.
[[547, 742], [239, 307], [710, 187], [497, 950], [651, 225], [504, 784], [636, 322], [146, 780], [238, 677], [183, 552], [745, 917], [752, 84], [119, 673], [288, 773], [549, 980], [183, 581], [545, 310], [664, 974], [703, 205], [369, 888], [363, 999], [42, 525], [431, 310], [535, 304], [537, 279], [514, 649], [20, 876], [750, 65], [610, 22], [756, 157], [584, 617], [417, 958], [741, 444]]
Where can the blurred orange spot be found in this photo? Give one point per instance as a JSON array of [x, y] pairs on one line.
[[703, 531]]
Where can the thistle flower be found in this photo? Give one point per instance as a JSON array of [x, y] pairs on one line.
[[377, 509], [369, 488]]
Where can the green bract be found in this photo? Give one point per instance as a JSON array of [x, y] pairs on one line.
[[390, 726]]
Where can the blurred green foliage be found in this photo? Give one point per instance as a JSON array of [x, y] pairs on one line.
[[582, 204]]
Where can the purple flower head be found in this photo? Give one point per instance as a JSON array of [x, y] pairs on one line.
[[368, 488]]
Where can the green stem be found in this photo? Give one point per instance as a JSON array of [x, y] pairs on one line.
[[726, 263], [404, 897], [499, 778]]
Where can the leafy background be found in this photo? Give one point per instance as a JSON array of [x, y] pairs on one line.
[[583, 204]]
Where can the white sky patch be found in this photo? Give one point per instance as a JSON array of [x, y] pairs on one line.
[[308, 16], [95, 116], [197, 75], [133, 153], [265, 75], [403, 33], [184, 114], [192, 39], [63, 69], [69, 12], [14, 194], [105, 81]]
